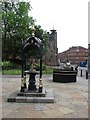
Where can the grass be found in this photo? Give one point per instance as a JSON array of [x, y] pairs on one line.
[[11, 72], [19, 72], [48, 71]]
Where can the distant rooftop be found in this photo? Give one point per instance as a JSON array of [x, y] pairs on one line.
[[74, 47]]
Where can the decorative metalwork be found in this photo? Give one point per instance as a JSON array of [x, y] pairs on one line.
[[28, 45]]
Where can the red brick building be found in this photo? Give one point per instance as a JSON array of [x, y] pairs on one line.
[[74, 54]]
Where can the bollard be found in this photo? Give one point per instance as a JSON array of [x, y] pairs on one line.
[[86, 74], [81, 74]]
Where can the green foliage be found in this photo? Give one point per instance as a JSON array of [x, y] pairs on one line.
[[16, 26], [44, 67], [40, 33], [48, 71], [7, 65], [12, 72], [18, 71]]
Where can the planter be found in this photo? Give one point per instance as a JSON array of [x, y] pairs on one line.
[[64, 76]]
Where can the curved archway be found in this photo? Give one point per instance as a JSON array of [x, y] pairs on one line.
[[32, 43]]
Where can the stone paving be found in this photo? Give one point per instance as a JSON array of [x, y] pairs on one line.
[[71, 99]]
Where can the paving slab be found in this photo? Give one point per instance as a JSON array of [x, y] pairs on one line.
[[65, 110], [41, 107], [70, 99], [53, 114], [35, 114]]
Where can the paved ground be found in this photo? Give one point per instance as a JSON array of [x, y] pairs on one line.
[[71, 100]]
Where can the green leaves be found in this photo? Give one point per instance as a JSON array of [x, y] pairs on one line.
[[16, 26]]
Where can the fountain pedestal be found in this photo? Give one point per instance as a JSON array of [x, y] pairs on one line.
[[32, 81]]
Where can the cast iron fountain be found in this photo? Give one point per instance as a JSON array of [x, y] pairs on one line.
[[28, 45], [30, 92]]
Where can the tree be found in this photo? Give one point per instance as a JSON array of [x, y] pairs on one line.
[[42, 34], [16, 27]]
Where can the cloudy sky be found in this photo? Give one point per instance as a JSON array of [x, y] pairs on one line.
[[69, 17]]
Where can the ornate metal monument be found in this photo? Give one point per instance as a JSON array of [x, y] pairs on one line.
[[32, 93], [28, 45]]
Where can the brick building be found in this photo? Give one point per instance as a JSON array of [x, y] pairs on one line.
[[74, 54], [52, 52]]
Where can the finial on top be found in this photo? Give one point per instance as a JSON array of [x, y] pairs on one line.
[[53, 27], [33, 30], [53, 30]]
